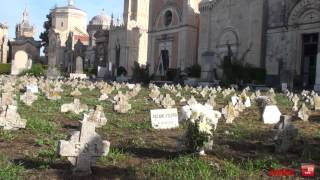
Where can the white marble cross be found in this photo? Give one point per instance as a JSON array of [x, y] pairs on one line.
[[84, 148]]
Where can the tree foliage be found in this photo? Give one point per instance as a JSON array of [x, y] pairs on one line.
[[44, 36]]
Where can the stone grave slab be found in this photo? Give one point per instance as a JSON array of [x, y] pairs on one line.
[[271, 114]]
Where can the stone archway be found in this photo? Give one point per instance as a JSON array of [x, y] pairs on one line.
[[304, 29], [306, 11], [229, 40]]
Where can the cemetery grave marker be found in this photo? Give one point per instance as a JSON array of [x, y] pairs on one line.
[[304, 113], [84, 148], [164, 118], [271, 114], [284, 134], [11, 120]]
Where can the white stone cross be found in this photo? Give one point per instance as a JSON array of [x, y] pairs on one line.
[[11, 120], [84, 148]]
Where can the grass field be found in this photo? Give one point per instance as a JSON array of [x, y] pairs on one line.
[[242, 150]]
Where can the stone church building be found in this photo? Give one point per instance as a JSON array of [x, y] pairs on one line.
[[293, 47], [106, 44], [281, 36], [24, 40], [173, 35], [69, 18], [237, 24], [128, 41]]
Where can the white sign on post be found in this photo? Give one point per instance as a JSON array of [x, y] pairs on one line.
[[164, 118]]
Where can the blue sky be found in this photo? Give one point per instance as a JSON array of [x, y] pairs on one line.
[[11, 10]]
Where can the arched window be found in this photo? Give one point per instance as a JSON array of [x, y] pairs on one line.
[[167, 18]]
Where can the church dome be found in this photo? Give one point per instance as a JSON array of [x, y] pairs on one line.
[[102, 19]]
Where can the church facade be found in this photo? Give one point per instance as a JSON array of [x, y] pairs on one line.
[[173, 35], [281, 36], [230, 25], [293, 47], [69, 18], [128, 41]]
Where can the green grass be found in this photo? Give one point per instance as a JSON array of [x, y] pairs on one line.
[[9, 170], [231, 169], [184, 167], [132, 133], [7, 136], [115, 155], [47, 153], [248, 168], [5, 68], [43, 126], [41, 115], [283, 101]]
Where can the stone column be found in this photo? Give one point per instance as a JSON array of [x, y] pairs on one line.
[[317, 82]]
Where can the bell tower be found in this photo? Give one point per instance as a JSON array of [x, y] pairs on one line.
[[136, 13]]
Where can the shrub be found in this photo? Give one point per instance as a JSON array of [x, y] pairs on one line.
[[140, 74], [234, 72], [121, 71], [91, 71], [194, 71], [172, 74], [5, 68], [36, 70]]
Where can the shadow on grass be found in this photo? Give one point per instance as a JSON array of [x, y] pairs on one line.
[[315, 118], [152, 153], [304, 149], [64, 170], [71, 126]]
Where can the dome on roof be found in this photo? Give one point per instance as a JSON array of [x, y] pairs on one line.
[[102, 19]]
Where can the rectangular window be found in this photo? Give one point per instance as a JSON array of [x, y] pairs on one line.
[[134, 9]]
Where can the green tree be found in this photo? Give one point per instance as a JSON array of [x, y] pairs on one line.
[[44, 36]]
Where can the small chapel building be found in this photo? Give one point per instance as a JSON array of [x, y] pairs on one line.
[[173, 35], [24, 40]]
